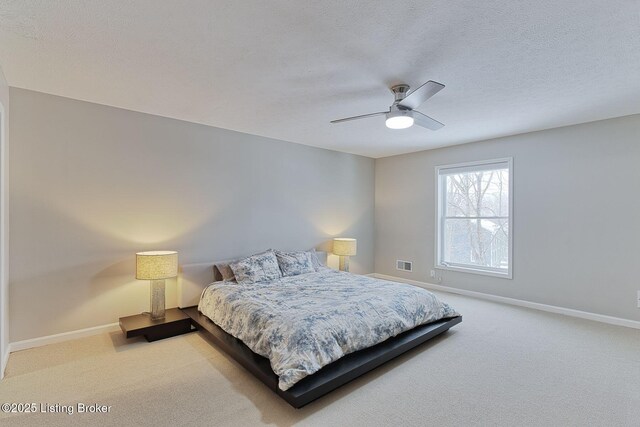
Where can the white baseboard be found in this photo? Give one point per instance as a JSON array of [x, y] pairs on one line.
[[65, 336], [5, 359], [521, 303]]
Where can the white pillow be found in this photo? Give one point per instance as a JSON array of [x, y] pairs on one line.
[[314, 259], [258, 268], [294, 263]]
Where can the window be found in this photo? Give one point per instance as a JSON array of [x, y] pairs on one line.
[[474, 232]]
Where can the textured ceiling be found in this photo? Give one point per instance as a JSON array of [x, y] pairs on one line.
[[284, 69]]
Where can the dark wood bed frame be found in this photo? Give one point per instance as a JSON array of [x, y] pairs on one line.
[[331, 376]]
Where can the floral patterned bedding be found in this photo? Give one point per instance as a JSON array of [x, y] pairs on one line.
[[302, 323]]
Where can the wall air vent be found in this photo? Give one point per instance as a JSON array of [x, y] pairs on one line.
[[404, 265]]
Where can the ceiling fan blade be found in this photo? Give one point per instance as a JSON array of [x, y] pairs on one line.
[[364, 116], [420, 95], [426, 121]]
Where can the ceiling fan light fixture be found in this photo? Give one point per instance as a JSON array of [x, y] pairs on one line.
[[399, 119], [402, 113]]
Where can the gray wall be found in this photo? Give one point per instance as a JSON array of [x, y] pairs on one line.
[[4, 221], [91, 185], [576, 210]]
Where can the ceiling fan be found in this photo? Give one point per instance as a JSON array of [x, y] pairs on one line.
[[402, 114]]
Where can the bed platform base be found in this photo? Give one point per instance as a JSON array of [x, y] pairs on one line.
[[331, 376]]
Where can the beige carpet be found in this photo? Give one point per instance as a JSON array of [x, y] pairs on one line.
[[503, 365]]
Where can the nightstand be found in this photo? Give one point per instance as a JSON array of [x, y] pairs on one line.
[[175, 322]]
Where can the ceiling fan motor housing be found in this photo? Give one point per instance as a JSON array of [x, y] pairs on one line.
[[400, 92]]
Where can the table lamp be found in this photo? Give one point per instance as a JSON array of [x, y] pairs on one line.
[[156, 266], [344, 247]]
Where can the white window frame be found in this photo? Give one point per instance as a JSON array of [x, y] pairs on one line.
[[440, 212]]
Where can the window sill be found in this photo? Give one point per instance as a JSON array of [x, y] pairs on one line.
[[477, 271]]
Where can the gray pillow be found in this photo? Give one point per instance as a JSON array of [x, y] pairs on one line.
[[225, 271], [262, 267], [294, 263]]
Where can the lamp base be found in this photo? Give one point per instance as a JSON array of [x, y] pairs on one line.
[[157, 300], [344, 263]]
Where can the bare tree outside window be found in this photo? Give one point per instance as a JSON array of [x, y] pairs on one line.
[[474, 217]]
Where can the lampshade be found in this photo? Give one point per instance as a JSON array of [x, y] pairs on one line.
[[156, 265], [344, 246]]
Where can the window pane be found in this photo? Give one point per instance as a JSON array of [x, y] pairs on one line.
[[482, 193], [483, 243]]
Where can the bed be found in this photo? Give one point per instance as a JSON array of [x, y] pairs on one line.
[[312, 332]]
